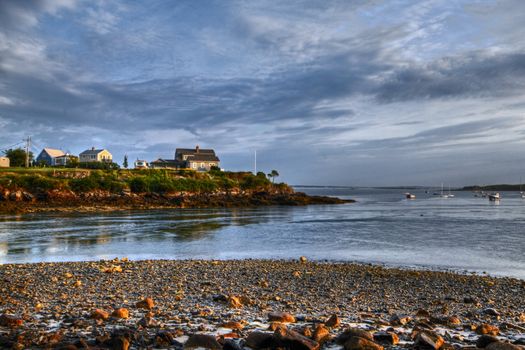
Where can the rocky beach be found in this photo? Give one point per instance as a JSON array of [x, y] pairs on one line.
[[256, 304]]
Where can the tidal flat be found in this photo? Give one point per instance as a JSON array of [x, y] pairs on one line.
[[236, 304]]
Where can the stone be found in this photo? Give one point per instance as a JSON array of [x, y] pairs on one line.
[[292, 340], [231, 344], [386, 338], [428, 340], [491, 312], [234, 302], [119, 343], [485, 340], [282, 317], [233, 325], [358, 343], [333, 321], [274, 325], [353, 332], [487, 329], [202, 341], [397, 320], [100, 314], [453, 321], [303, 260], [422, 313], [120, 313], [146, 303], [499, 345], [321, 333], [470, 300], [260, 340], [10, 321]]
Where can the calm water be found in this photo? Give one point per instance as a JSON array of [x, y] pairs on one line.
[[463, 233]]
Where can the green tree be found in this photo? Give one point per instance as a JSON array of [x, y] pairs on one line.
[[125, 163], [273, 174], [17, 157]]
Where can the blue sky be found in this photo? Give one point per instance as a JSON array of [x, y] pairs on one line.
[[327, 92]]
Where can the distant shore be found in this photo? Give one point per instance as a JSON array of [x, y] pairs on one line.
[[166, 304]]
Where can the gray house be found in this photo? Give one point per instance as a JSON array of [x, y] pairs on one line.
[[189, 158], [48, 156]]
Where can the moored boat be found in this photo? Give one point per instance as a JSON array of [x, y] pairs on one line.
[[494, 197]]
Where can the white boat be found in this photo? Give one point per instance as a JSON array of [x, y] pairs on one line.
[[522, 194], [494, 197], [410, 196], [442, 194]]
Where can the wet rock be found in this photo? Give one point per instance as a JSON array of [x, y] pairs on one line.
[[120, 313], [10, 321], [470, 300], [100, 314], [202, 341], [333, 321], [487, 329], [231, 344], [282, 317], [234, 302], [260, 340], [358, 343], [292, 340], [353, 332], [386, 338], [428, 340], [499, 345], [485, 340], [118, 342], [274, 325], [147, 304], [452, 321]]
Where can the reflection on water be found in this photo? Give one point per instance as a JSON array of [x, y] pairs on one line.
[[461, 233]]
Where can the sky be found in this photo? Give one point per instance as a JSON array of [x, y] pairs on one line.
[[351, 92]]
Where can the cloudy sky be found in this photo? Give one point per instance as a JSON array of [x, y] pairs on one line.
[[327, 92]]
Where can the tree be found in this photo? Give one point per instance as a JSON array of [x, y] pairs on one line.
[[274, 173], [125, 163], [17, 157]]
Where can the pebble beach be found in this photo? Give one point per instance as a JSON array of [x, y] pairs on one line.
[[255, 304]]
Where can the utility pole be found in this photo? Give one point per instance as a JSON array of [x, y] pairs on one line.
[[255, 163], [28, 147]]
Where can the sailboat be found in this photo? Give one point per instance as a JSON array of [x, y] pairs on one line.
[[443, 195], [522, 194]]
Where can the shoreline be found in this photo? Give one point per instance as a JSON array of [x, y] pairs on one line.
[[54, 304], [106, 202]]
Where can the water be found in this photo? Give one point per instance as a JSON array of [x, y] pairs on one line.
[[462, 233]]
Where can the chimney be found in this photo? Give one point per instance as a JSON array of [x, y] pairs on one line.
[[197, 149], [93, 148]]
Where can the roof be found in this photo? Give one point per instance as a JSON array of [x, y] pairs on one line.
[[67, 155], [53, 152], [165, 161], [93, 151], [199, 157], [193, 151]]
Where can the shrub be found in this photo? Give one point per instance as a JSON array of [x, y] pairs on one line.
[[139, 184], [37, 183], [86, 184]]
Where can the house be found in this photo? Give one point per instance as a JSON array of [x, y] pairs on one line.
[[141, 164], [48, 156], [65, 159], [4, 162], [96, 155], [189, 158]]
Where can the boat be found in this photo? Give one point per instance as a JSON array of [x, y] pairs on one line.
[[443, 195], [410, 196], [522, 194], [494, 197]]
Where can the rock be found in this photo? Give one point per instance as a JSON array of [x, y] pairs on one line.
[[147, 304], [234, 302], [453, 321], [282, 317], [333, 321], [353, 332], [15, 196], [120, 313], [303, 259], [487, 329], [491, 312], [321, 333], [358, 343], [397, 320], [470, 300], [292, 340], [233, 325], [274, 325], [485, 340], [260, 340], [202, 341], [386, 338], [428, 340], [28, 197], [499, 345], [100, 314], [422, 313], [10, 321], [118, 343], [231, 344]]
